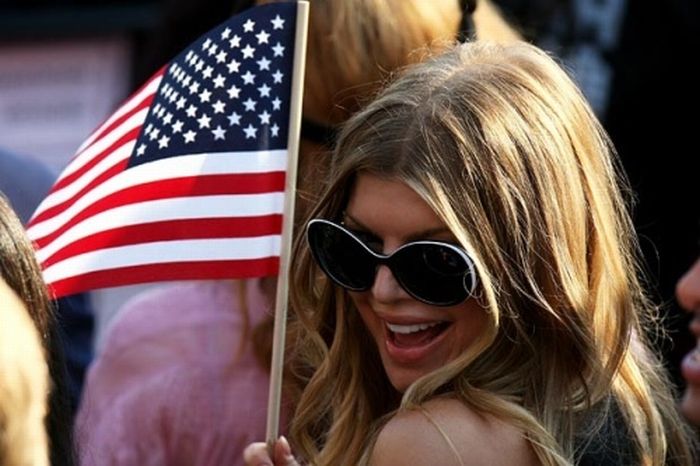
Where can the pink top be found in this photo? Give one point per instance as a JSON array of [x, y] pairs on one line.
[[167, 388]]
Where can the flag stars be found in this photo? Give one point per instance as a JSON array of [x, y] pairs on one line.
[[250, 131], [221, 57], [194, 87], [277, 76], [248, 51], [277, 22], [207, 43], [233, 66], [191, 111], [234, 119], [278, 50], [189, 136], [177, 127], [141, 150], [263, 64], [200, 64], [205, 95], [226, 33], [163, 142], [264, 90], [276, 103], [264, 118], [204, 121], [274, 130], [249, 105], [212, 50], [219, 81], [168, 118], [248, 78], [219, 106], [154, 134], [262, 37], [186, 81], [181, 103], [219, 133], [249, 25], [233, 92], [208, 71], [235, 42]]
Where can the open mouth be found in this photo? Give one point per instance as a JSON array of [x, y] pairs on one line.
[[416, 335]]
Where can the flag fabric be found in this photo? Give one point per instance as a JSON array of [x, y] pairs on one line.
[[186, 179]]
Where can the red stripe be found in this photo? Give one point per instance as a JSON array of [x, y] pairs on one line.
[[253, 183], [208, 270], [173, 230]]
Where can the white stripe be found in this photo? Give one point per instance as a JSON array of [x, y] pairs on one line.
[[224, 206], [82, 158], [128, 106], [165, 252], [172, 167]]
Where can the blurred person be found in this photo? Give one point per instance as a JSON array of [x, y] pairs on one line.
[[183, 374], [21, 272], [24, 384], [688, 295]]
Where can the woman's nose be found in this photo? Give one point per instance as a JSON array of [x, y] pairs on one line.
[[688, 288], [385, 288]]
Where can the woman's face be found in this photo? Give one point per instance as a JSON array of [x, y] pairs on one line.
[[688, 294], [413, 338]]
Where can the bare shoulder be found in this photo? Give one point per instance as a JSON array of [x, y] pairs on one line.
[[445, 431]]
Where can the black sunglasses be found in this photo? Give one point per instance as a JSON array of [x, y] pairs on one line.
[[433, 272]]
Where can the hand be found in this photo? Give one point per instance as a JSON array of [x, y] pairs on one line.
[[256, 454]]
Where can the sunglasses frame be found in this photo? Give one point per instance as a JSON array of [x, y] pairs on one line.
[[385, 259]]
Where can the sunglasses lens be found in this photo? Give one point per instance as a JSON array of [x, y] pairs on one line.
[[341, 256], [433, 273]]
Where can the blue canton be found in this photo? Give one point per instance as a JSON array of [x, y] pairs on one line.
[[229, 91]]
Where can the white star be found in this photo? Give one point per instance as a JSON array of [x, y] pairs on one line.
[[189, 136], [199, 65], [219, 133], [276, 104], [181, 103], [219, 81], [277, 76], [262, 37], [233, 66], [225, 33], [277, 22], [163, 142], [234, 119], [235, 41], [274, 129], [221, 57], [204, 121], [264, 118], [186, 81], [263, 64], [154, 134], [206, 44], [233, 92], [219, 106], [168, 118], [250, 131], [207, 72], [278, 49], [148, 129], [264, 90], [249, 105], [141, 150], [248, 78], [205, 95], [177, 126], [191, 111], [249, 25], [194, 87], [248, 51], [213, 49]]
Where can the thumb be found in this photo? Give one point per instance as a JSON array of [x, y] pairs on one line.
[[283, 453]]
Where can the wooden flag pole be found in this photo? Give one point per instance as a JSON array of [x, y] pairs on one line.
[[295, 110]]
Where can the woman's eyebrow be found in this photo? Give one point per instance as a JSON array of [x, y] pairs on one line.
[[419, 235]]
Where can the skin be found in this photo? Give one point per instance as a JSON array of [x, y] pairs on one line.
[[688, 294], [392, 214]]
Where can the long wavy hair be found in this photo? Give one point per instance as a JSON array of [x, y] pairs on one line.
[[502, 145]]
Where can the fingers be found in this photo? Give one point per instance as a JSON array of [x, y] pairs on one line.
[[256, 454]]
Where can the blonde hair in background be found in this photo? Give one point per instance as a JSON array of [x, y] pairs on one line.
[[24, 386], [502, 145]]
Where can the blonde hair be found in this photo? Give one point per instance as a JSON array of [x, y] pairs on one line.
[[24, 386], [502, 145]]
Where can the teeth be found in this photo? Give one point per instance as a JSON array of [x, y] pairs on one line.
[[405, 329]]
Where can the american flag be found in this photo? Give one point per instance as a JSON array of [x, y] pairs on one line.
[[186, 179]]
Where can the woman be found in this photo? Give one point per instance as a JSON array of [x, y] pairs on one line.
[[480, 303], [688, 294]]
